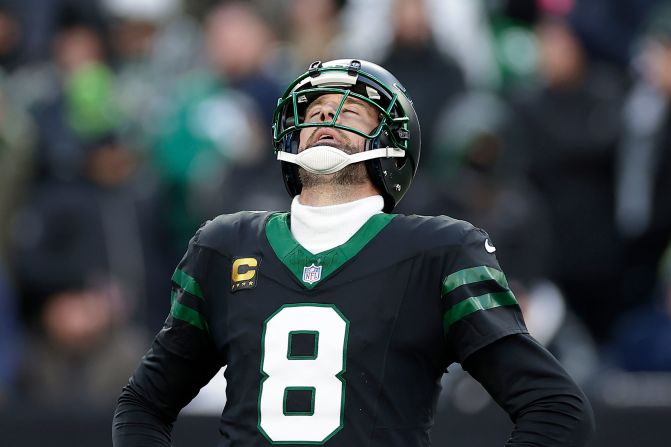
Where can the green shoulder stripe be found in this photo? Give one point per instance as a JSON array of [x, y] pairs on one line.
[[473, 304], [187, 283], [472, 275], [191, 316]]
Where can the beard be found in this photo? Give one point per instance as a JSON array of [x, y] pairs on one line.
[[354, 174]]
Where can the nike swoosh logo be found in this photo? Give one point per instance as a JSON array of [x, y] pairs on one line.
[[489, 247]]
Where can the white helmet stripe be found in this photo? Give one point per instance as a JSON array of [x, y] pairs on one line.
[[329, 79]]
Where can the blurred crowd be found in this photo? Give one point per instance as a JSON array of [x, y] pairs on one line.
[[124, 124]]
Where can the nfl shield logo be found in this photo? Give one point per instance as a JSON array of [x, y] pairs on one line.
[[312, 274]]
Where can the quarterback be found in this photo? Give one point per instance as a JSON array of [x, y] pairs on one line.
[[336, 320]]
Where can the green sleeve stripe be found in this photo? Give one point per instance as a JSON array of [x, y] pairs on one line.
[[472, 275], [476, 303], [193, 317], [188, 283]]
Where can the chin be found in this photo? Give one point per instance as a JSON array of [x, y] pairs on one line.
[[352, 175]]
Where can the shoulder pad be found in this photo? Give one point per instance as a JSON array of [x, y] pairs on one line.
[[226, 230], [434, 231]]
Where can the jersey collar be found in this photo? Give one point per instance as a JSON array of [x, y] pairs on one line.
[[308, 268]]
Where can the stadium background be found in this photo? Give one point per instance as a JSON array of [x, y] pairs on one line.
[[126, 123]]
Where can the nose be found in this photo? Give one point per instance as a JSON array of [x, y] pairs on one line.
[[328, 111]]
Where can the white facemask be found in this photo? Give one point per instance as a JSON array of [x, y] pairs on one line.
[[328, 159]]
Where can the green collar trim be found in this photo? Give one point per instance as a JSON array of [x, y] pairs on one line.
[[310, 269]]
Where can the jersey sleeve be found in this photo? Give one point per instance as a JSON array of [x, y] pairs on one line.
[[186, 331], [183, 356], [547, 407], [478, 305]]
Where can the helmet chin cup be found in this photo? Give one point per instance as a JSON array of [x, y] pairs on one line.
[[329, 159], [398, 129]]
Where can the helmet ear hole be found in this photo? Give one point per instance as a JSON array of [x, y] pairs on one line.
[[382, 140], [291, 142]]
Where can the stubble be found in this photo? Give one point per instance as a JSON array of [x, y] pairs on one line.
[[354, 174]]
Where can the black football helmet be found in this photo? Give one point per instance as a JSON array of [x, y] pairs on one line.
[[398, 128]]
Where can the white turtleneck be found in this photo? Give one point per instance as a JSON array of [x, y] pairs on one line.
[[320, 228]]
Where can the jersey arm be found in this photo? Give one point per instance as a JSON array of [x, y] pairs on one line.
[[182, 358], [478, 305], [545, 404]]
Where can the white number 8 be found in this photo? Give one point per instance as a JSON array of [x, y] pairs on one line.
[[320, 374]]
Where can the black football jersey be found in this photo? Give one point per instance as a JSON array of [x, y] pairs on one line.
[[341, 348]]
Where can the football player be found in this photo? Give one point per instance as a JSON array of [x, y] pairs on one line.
[[337, 320]]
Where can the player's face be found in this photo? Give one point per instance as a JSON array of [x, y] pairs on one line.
[[354, 113]]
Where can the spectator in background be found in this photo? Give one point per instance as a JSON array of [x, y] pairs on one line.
[[413, 55], [16, 161], [82, 339], [85, 251], [478, 174], [313, 30], [103, 225], [214, 122], [10, 36], [432, 76], [240, 50], [609, 29], [81, 101], [43, 19], [642, 213], [573, 128], [642, 337], [513, 42], [26, 77], [154, 47], [245, 64], [16, 158]]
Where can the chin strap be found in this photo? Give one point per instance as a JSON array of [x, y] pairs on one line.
[[328, 159]]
